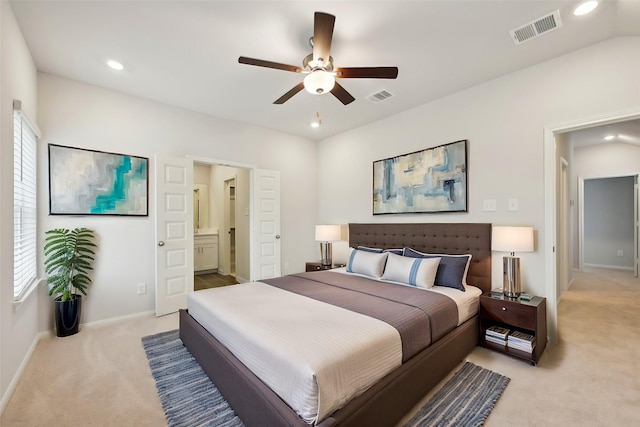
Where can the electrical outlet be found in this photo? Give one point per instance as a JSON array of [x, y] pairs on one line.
[[620, 252], [512, 204], [142, 288]]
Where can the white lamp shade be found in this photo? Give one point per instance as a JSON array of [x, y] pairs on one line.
[[319, 82], [512, 239], [328, 233]]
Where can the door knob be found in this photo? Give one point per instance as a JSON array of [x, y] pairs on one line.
[[277, 236], [160, 243]]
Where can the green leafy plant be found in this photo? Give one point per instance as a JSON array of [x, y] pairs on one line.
[[69, 257]]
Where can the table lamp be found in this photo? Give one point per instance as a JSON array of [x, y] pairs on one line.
[[325, 234], [511, 239]]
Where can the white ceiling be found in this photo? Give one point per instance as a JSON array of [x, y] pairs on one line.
[[185, 53], [627, 132]]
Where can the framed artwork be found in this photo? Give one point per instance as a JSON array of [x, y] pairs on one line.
[[428, 181], [89, 182]]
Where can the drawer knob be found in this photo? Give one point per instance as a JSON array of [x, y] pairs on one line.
[[504, 308]]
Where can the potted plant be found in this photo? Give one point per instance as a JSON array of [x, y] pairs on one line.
[[69, 257]]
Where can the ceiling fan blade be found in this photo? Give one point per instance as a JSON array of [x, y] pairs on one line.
[[284, 98], [322, 35], [342, 94], [367, 73], [269, 64]]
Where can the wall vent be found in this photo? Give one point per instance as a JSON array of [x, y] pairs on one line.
[[536, 28], [379, 96]]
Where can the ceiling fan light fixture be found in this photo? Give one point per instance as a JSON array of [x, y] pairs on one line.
[[319, 81]]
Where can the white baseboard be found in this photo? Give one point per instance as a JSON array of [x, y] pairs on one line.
[[16, 378], [119, 319], [610, 267], [241, 279]]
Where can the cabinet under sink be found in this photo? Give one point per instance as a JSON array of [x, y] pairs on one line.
[[205, 253]]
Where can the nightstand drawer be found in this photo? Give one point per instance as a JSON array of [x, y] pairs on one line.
[[512, 313], [313, 266]]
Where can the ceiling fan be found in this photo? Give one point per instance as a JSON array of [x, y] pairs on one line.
[[319, 68]]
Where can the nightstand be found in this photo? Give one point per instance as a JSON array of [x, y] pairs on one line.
[[317, 266], [514, 314]]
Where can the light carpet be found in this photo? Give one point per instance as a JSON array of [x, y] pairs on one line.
[[189, 398]]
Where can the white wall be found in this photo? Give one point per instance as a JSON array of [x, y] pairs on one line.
[[606, 160], [219, 176], [503, 120], [564, 276], [80, 115], [18, 328]]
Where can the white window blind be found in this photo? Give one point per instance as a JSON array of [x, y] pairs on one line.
[[24, 201]]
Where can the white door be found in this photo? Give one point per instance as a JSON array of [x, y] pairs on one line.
[[265, 234], [174, 233]]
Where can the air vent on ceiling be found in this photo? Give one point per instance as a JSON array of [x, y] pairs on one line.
[[379, 96], [536, 27]]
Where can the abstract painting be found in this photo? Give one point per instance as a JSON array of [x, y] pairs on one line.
[[89, 182], [431, 180]]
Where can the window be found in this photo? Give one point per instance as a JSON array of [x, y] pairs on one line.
[[24, 201]]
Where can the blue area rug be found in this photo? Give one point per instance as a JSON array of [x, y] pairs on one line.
[[465, 400], [188, 396], [189, 399]]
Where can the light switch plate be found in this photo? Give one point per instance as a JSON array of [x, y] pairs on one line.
[[512, 204], [489, 205]]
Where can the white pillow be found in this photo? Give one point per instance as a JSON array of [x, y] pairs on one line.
[[419, 272], [367, 263]]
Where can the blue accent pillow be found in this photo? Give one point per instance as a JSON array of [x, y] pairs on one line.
[[366, 249], [452, 270], [378, 250]]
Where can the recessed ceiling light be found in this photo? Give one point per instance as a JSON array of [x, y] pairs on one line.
[[315, 124], [115, 65], [585, 7], [609, 137]]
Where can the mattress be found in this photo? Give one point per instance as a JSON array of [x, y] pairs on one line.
[[268, 329], [319, 339]]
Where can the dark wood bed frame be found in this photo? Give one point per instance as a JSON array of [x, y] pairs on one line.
[[387, 401]]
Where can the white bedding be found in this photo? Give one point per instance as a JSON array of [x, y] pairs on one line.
[[467, 302], [267, 329]]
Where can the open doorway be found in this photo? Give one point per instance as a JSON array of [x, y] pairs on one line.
[[622, 130], [228, 187], [175, 232]]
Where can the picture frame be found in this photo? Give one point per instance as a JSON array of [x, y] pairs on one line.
[[433, 180], [91, 182]]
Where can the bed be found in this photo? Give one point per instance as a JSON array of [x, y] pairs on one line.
[[386, 401]]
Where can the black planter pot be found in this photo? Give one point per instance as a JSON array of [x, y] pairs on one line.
[[68, 315]]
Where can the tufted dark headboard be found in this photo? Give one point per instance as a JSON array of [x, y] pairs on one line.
[[439, 238]]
